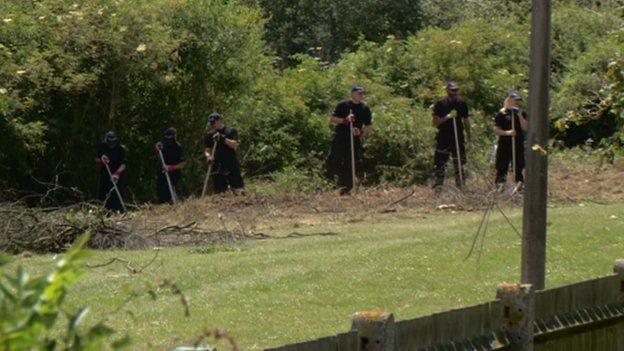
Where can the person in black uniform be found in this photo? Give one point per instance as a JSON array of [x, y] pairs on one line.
[[111, 153], [356, 111], [506, 132], [227, 172], [448, 112], [174, 162]]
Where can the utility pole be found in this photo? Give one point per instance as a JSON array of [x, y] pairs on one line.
[[536, 191]]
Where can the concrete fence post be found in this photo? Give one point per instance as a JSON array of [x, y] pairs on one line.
[[375, 331], [518, 312], [618, 268]]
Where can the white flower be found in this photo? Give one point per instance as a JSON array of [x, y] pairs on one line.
[[3, 91], [141, 48], [20, 72], [7, 20]]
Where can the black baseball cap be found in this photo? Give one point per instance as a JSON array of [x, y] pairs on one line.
[[452, 86], [213, 117], [110, 137], [358, 89], [515, 96], [170, 133]]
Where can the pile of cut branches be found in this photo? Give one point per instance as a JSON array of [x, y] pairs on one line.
[[52, 230]]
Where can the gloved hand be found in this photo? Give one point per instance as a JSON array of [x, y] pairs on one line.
[[168, 169], [348, 120], [209, 157], [452, 114], [511, 132], [357, 132], [104, 159], [159, 146], [116, 176]]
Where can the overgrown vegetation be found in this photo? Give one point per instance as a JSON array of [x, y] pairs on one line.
[[70, 70], [34, 308]]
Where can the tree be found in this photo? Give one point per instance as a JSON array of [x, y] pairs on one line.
[[326, 28]]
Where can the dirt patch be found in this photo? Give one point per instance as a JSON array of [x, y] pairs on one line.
[[234, 219], [256, 216]]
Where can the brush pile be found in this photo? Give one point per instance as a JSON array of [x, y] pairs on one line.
[[53, 230]]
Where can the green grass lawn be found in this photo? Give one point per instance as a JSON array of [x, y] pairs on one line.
[[274, 292]]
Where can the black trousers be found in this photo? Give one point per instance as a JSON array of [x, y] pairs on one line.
[[227, 175], [444, 151], [338, 161], [162, 188], [504, 155], [108, 195]]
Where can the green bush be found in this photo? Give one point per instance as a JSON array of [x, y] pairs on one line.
[[326, 28], [446, 14], [32, 310], [584, 108], [74, 69], [290, 181], [70, 70]]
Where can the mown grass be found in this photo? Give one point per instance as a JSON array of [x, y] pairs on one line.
[[267, 293]]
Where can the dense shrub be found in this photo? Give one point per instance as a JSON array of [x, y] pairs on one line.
[[326, 28], [70, 70], [583, 100]]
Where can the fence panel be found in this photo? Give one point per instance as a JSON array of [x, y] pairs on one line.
[[341, 342], [583, 316]]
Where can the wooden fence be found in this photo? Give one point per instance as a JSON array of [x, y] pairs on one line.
[[583, 316]]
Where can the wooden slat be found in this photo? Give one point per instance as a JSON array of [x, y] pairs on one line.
[[572, 297], [324, 344], [580, 315], [347, 341]]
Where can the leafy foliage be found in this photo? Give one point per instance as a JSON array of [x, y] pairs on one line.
[[326, 28], [72, 70], [584, 105], [32, 308]]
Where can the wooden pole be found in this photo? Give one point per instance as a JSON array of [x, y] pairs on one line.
[[618, 268], [110, 176], [352, 152], [513, 146], [214, 151], [458, 153], [171, 190], [536, 191], [376, 331], [518, 315]]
